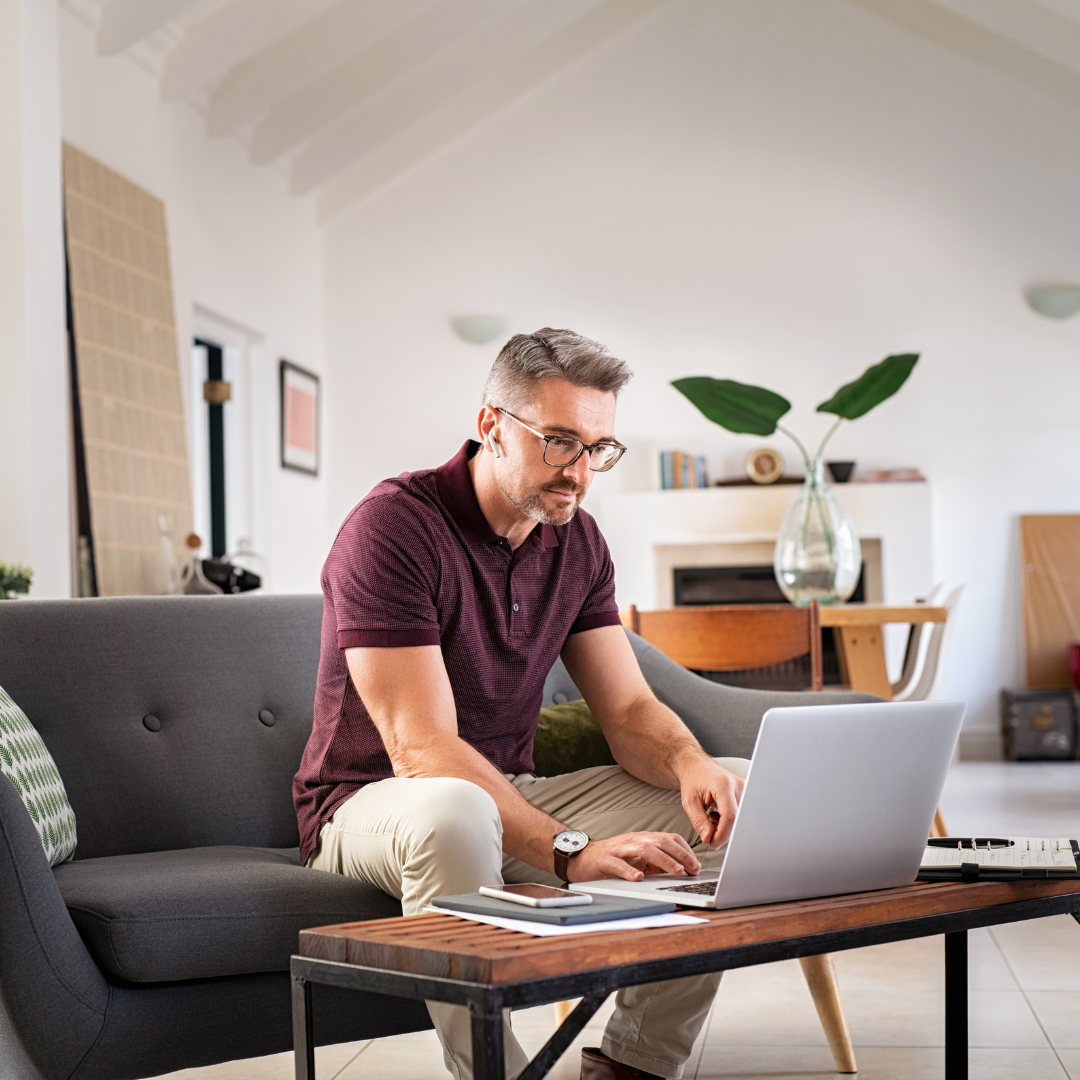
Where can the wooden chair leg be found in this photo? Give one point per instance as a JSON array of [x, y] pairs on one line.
[[820, 977], [938, 828], [563, 1009]]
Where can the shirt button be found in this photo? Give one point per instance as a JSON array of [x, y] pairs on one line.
[[515, 607]]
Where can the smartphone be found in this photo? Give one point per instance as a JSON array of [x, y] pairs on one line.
[[537, 895]]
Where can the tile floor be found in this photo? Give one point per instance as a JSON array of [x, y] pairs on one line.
[[1024, 986]]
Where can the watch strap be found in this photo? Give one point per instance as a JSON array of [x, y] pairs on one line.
[[562, 866]]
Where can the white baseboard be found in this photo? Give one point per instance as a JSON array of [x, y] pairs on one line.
[[981, 744]]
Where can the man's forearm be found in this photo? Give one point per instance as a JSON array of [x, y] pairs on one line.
[[653, 744], [527, 832]]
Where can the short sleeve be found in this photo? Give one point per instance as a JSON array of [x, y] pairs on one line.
[[382, 575], [599, 608]]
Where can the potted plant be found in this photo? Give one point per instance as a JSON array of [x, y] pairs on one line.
[[817, 551], [14, 579]]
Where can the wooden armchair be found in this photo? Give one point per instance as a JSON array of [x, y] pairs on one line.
[[733, 638]]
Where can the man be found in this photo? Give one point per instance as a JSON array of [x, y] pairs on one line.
[[449, 594]]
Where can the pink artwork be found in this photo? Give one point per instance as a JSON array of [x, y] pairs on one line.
[[299, 419]]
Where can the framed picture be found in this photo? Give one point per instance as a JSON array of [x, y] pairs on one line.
[[299, 419]]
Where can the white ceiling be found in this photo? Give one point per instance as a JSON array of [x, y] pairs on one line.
[[349, 94]]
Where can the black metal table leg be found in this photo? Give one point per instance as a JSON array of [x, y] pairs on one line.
[[956, 1006], [487, 1042], [303, 1029], [564, 1035]]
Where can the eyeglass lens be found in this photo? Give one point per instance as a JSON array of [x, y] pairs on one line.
[[563, 451]]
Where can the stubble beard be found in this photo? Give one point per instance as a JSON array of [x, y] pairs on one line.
[[531, 502]]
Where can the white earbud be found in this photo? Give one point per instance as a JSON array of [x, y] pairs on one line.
[[492, 447]]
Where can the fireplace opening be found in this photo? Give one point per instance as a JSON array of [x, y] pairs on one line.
[[706, 585]]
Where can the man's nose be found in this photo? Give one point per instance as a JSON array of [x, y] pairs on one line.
[[579, 471]]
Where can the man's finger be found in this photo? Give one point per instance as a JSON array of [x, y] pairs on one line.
[[703, 824], [613, 866], [725, 823], [674, 845], [663, 862]]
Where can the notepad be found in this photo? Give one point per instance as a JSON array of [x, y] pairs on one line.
[[602, 909], [999, 857]]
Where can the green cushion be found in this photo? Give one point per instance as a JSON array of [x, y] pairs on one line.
[[29, 766], [568, 738]]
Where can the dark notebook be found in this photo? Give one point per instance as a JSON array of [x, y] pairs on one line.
[[998, 858], [602, 909]]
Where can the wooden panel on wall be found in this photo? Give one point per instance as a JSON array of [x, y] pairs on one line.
[[128, 373], [1050, 556]]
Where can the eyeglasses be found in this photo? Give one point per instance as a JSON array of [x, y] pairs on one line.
[[561, 450]]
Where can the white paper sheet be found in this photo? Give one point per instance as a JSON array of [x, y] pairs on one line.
[[537, 929]]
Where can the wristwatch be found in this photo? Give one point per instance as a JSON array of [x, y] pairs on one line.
[[566, 845]]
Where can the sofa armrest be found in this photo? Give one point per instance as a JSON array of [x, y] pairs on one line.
[[52, 996], [724, 719]]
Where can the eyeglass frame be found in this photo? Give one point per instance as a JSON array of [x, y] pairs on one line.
[[584, 446]]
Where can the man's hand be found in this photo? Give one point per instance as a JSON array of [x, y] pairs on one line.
[[632, 856], [710, 797]]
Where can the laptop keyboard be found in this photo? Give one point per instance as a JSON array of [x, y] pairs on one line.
[[699, 888]]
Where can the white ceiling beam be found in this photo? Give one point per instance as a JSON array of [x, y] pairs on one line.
[[1031, 25], [1067, 9], [217, 44], [409, 46], [320, 45], [123, 22], [976, 41], [497, 43], [499, 90]]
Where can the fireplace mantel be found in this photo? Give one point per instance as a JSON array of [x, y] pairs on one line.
[[637, 524]]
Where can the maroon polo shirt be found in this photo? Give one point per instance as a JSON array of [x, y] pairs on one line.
[[416, 563]]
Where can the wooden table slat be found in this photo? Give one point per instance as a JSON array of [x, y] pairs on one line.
[[448, 947]]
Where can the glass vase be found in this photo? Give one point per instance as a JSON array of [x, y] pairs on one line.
[[817, 552]]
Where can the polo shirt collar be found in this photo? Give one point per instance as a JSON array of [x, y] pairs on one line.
[[459, 497]]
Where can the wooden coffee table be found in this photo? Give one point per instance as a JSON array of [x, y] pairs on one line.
[[443, 958]]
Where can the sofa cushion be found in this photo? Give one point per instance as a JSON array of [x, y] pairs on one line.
[[205, 912]]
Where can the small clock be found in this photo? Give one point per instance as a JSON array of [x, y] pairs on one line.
[[764, 465]]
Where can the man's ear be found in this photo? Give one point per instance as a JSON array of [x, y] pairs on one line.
[[489, 442]]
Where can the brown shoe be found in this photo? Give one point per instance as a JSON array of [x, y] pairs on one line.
[[596, 1065]]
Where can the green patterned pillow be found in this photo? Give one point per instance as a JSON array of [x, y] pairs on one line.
[[29, 766]]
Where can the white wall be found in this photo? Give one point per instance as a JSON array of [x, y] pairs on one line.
[[241, 247], [777, 191], [35, 495]]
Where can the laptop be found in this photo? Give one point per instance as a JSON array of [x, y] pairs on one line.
[[838, 799]]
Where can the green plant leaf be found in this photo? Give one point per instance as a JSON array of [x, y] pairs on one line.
[[871, 388], [744, 409]]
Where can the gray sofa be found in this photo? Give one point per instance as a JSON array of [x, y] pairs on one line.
[[177, 724]]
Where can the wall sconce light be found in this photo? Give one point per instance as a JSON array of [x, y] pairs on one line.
[[1054, 301], [478, 329]]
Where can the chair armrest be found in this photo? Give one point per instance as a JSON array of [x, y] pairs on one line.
[[724, 719], [53, 999]]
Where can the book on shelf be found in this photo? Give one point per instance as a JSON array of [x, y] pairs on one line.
[[679, 469]]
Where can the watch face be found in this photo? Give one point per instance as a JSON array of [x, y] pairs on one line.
[[571, 841]]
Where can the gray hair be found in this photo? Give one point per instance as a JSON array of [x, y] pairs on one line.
[[527, 359]]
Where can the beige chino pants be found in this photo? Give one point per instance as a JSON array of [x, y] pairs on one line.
[[417, 839]]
